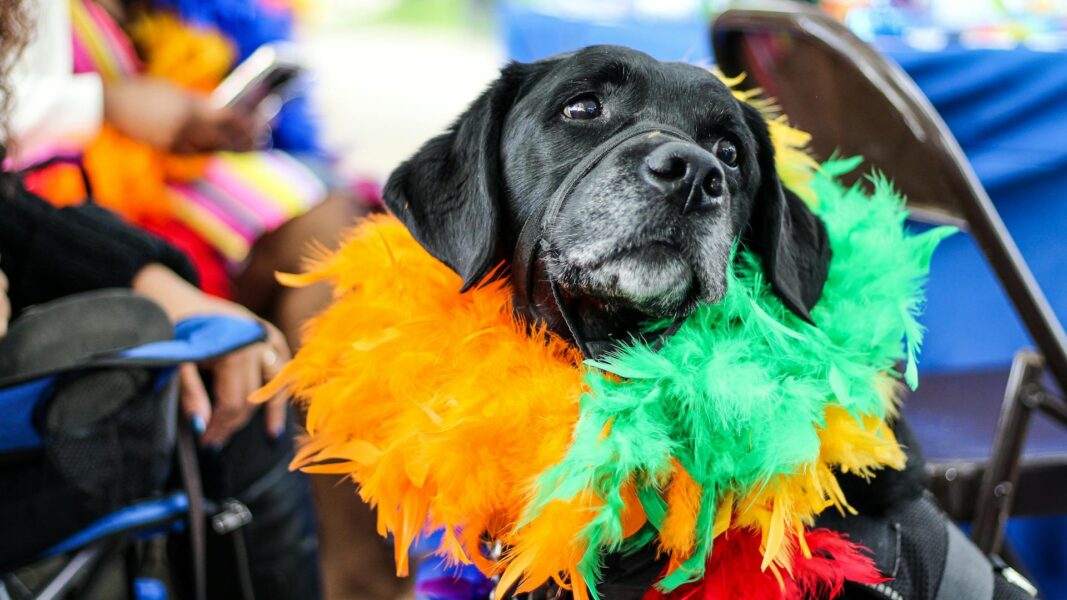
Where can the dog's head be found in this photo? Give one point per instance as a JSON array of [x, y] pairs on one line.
[[655, 171]]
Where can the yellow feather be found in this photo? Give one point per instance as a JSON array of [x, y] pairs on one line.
[[774, 536], [787, 503], [795, 163], [723, 515]]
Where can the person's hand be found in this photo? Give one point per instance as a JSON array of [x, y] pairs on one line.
[[210, 129], [5, 305], [168, 118], [235, 376]]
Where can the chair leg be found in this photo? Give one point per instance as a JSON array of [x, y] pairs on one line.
[[1054, 407], [997, 491], [77, 569]]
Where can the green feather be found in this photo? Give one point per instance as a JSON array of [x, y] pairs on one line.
[[737, 394]]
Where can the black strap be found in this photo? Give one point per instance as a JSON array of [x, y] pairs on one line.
[[968, 574], [190, 475], [533, 231]]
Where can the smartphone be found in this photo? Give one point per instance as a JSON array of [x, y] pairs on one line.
[[264, 75]]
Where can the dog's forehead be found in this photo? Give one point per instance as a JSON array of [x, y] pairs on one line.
[[676, 84]]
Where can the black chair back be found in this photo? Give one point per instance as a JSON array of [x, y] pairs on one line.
[[856, 102]]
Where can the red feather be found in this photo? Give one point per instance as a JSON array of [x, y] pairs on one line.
[[734, 570]]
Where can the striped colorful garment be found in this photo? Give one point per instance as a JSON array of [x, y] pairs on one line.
[[227, 200], [99, 44]]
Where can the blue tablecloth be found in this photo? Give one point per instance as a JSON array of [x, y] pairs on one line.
[[531, 34], [1008, 108]]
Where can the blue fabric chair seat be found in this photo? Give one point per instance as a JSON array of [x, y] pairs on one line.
[[954, 415]]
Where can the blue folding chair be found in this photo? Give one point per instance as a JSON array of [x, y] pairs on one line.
[[23, 402]]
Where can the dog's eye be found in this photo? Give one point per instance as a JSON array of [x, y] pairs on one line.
[[582, 108], [726, 150]]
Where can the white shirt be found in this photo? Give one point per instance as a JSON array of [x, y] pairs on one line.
[[52, 108]]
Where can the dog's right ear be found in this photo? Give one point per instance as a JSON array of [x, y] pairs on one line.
[[449, 193], [789, 237]]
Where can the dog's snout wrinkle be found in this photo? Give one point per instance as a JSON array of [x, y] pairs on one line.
[[687, 174]]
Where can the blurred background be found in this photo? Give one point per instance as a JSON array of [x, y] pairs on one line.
[[392, 73], [381, 77]]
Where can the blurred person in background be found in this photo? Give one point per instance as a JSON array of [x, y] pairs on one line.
[[122, 89], [48, 253]]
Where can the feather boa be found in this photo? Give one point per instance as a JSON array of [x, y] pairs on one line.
[[720, 448]]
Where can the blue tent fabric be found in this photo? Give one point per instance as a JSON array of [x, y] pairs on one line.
[[532, 34], [1006, 108]]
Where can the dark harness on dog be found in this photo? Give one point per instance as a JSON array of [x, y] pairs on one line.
[[533, 235]]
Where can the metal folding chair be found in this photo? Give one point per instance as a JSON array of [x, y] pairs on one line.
[[856, 102]]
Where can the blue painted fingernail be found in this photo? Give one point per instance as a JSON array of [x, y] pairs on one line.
[[199, 425], [279, 429]]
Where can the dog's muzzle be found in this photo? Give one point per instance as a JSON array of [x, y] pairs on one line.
[[533, 235]]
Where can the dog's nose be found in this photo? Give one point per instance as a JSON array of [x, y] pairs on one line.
[[687, 173]]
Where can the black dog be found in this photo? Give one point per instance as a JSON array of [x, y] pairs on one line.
[[614, 186], [647, 231]]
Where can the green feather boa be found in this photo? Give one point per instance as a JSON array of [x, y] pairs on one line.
[[739, 394]]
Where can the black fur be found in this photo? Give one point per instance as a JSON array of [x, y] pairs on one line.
[[466, 193], [448, 194], [792, 240]]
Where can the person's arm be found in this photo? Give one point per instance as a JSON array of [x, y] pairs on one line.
[[48, 253], [51, 106], [53, 109], [236, 375]]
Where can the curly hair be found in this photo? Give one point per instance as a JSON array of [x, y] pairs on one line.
[[14, 33]]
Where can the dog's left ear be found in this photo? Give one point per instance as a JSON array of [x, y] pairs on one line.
[[448, 194], [789, 237]]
